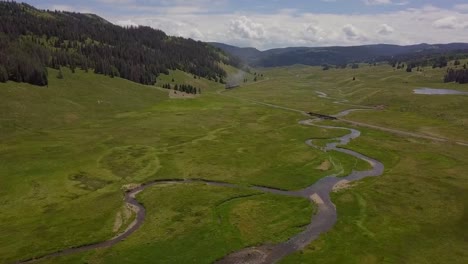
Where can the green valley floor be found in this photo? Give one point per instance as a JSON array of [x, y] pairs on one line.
[[68, 152]]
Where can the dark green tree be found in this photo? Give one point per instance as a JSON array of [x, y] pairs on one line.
[[33, 39]]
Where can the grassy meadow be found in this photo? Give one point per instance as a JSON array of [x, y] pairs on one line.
[[67, 150], [415, 212]]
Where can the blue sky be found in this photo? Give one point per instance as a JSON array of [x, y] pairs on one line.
[[279, 23]]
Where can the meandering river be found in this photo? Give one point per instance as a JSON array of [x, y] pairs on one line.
[[318, 193]]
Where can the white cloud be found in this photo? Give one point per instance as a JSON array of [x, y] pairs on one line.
[[312, 33], [293, 28], [385, 29], [181, 28], [450, 22], [352, 33], [245, 28]]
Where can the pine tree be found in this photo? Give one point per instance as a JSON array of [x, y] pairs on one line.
[[138, 54], [459, 76]]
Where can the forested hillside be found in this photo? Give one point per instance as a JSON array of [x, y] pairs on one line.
[[32, 40], [317, 56]]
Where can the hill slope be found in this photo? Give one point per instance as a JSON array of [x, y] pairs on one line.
[[247, 55], [334, 55], [32, 39]]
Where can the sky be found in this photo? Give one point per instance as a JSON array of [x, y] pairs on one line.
[[266, 24]]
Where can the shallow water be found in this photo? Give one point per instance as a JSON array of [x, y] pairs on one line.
[[432, 91], [318, 193]]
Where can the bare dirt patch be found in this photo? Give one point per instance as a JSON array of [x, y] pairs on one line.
[[316, 198], [130, 186], [341, 185], [324, 166], [122, 217]]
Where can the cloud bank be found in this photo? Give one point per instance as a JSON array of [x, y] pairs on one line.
[[210, 20]]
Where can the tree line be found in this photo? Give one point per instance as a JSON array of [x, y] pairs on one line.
[[186, 88], [427, 60], [456, 75], [32, 40]]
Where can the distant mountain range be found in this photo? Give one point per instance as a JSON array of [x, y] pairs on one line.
[[335, 55]]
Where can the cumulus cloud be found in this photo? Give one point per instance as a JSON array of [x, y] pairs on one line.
[[244, 27], [385, 29], [352, 33], [312, 34], [450, 22], [428, 24]]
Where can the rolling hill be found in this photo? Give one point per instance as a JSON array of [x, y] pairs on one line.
[[335, 55], [32, 40]]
